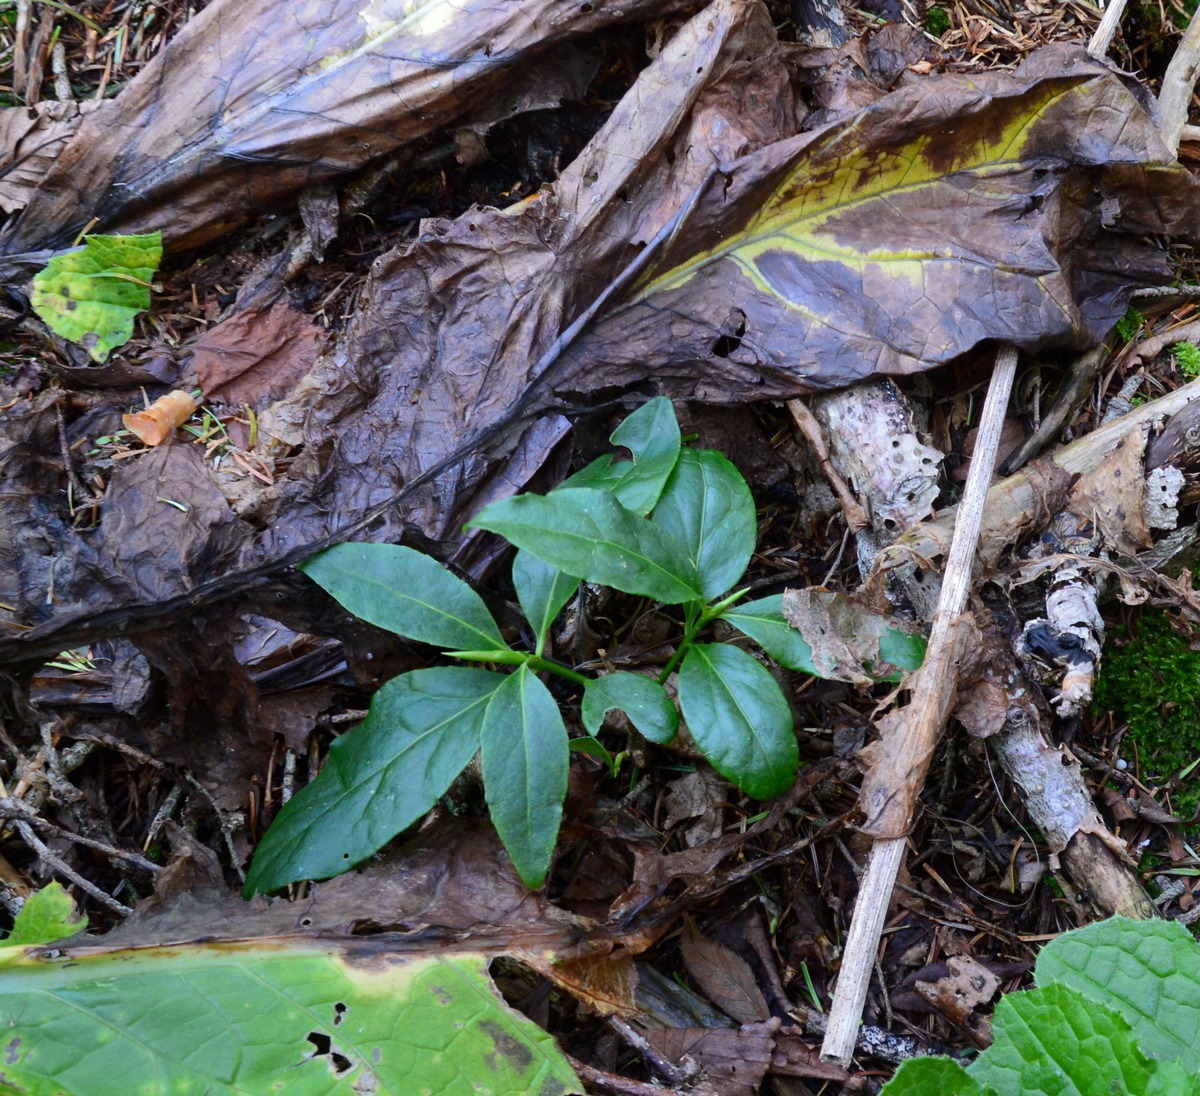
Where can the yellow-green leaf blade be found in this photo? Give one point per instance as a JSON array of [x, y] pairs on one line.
[[91, 296], [273, 1016]]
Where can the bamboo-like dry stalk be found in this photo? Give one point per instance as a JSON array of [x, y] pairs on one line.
[[925, 717]]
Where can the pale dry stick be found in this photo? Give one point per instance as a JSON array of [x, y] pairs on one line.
[[929, 705], [1107, 29], [1177, 85], [806, 422]]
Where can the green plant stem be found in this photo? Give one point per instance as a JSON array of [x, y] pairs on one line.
[[537, 662], [691, 630]]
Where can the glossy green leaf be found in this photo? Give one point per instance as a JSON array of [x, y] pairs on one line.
[[268, 1016], [542, 590], [406, 592], [739, 718], [525, 759], [934, 1077], [707, 506], [593, 747], [48, 915], [585, 531], [1148, 971], [422, 730], [763, 622], [1053, 1041], [903, 649], [91, 296], [651, 434], [643, 699]]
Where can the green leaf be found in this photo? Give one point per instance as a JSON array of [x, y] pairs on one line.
[[422, 730], [707, 506], [593, 747], [525, 760], [542, 590], [48, 915], [763, 622], [584, 531], [643, 699], [739, 718], [933, 1077], [903, 649], [406, 592], [91, 296], [274, 1015], [651, 434], [1148, 971], [1053, 1041]]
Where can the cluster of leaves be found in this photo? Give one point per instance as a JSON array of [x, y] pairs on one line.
[[1130, 325], [674, 524], [1150, 682], [278, 1014], [1116, 1009], [1187, 358]]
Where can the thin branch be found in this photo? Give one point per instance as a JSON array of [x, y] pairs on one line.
[[933, 690], [1177, 85]]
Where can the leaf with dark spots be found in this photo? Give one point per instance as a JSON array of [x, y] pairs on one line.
[[953, 211]]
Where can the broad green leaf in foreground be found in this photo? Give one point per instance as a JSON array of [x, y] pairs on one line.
[[585, 531], [707, 506], [934, 1077], [651, 434], [308, 1019], [406, 592], [525, 759], [91, 296], [48, 915], [1054, 1041], [1148, 971], [542, 590], [643, 699], [422, 730], [739, 718], [763, 622], [1117, 1009]]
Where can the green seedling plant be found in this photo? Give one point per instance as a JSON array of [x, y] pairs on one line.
[[674, 524]]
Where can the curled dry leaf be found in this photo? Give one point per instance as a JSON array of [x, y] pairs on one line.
[[1011, 207], [162, 418], [246, 107]]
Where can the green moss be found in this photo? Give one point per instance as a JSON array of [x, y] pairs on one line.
[[937, 22], [1187, 357], [1152, 682], [1130, 324]]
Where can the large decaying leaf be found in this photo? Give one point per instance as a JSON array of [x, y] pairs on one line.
[[272, 1015], [958, 209], [253, 101]]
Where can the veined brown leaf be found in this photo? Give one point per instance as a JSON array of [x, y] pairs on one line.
[[960, 209]]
